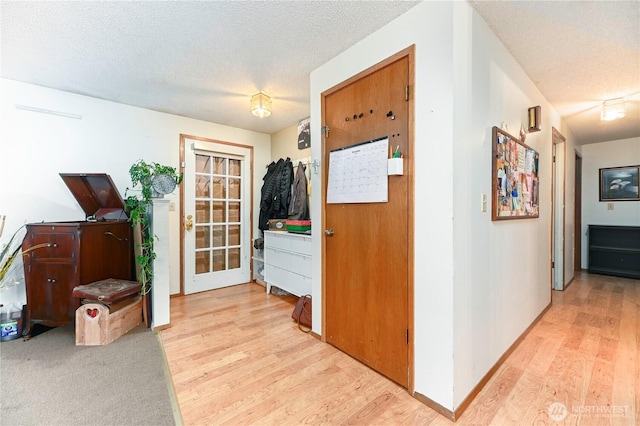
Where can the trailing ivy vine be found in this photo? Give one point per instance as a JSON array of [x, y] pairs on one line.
[[142, 174]]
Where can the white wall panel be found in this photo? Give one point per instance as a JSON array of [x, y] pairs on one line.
[[35, 147]]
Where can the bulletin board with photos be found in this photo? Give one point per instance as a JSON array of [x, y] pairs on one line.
[[515, 184]]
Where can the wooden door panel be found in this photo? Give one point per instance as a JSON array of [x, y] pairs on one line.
[[49, 293], [366, 258]]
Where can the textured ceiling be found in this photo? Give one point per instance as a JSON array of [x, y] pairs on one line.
[[578, 54], [200, 59], [204, 59]]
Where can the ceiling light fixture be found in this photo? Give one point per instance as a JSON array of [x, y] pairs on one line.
[[612, 109], [261, 105]]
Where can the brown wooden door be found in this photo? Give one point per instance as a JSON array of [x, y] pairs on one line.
[[366, 257]]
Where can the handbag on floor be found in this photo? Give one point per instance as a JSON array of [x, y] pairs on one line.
[[302, 313]]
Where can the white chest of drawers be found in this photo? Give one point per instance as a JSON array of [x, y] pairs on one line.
[[287, 262]]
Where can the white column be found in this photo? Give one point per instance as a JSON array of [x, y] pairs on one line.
[[160, 285]]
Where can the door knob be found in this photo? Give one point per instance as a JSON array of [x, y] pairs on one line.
[[328, 232], [188, 223]]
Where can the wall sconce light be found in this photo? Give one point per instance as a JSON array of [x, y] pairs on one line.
[[612, 109], [261, 105], [535, 123]]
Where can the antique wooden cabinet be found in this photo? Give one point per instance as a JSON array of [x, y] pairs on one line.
[[59, 256]]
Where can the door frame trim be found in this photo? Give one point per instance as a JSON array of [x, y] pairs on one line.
[[409, 165], [183, 137], [577, 213], [556, 139]]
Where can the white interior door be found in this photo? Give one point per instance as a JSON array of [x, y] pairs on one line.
[[217, 185]]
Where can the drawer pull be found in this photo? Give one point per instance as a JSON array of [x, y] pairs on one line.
[[39, 246], [51, 280], [115, 236]]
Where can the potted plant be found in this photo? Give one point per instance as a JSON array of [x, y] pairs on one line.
[[154, 180]]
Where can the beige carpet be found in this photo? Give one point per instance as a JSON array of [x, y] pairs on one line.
[[48, 380]]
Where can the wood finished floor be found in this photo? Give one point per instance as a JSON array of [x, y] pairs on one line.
[[236, 357]]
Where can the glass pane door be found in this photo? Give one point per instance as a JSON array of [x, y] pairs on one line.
[[218, 206], [217, 215]]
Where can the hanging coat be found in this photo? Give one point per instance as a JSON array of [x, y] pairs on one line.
[[299, 207], [276, 192], [282, 190], [266, 196]]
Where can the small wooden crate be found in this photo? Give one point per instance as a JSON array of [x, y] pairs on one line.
[[277, 224], [95, 325]]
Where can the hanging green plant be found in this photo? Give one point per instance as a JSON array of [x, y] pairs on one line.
[[144, 174]]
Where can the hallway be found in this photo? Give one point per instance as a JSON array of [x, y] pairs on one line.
[[236, 357]]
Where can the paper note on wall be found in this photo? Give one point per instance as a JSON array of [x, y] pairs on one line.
[[358, 173], [521, 158], [529, 161]]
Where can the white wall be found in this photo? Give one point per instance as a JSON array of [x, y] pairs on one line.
[[501, 269], [625, 152], [473, 297], [35, 147], [284, 143]]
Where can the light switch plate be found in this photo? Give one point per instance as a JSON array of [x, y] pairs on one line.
[[483, 203], [609, 206]]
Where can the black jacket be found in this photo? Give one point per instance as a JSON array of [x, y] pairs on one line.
[[276, 192]]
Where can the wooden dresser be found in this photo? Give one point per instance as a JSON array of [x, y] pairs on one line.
[[59, 256]]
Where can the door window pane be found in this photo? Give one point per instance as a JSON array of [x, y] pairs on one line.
[[219, 166], [234, 188], [219, 236], [202, 237], [234, 212], [202, 163], [219, 190], [203, 186], [234, 167], [202, 262], [219, 213], [219, 260], [234, 235], [203, 211], [234, 258]]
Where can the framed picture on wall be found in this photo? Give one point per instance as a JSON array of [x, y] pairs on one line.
[[619, 183], [304, 134]]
